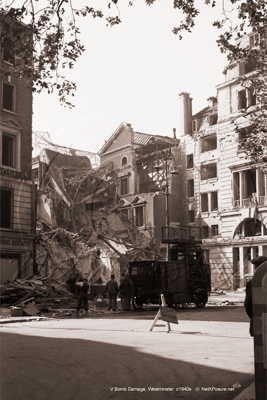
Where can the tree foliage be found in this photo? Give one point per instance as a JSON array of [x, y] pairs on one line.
[[56, 44]]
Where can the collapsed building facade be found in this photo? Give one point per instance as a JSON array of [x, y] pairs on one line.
[[80, 228], [222, 192]]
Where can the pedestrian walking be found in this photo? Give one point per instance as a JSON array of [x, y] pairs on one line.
[[248, 299], [124, 289], [131, 290], [83, 295], [112, 288]]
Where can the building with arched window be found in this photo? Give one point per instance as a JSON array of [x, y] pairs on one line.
[[222, 191]]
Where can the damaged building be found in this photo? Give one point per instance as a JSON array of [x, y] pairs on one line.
[[222, 192], [149, 184], [80, 227]]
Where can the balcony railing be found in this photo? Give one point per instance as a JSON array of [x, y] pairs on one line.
[[181, 234], [249, 202]]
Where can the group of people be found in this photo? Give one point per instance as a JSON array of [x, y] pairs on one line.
[[125, 290]]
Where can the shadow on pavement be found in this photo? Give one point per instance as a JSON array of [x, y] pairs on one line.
[[45, 368], [221, 313]]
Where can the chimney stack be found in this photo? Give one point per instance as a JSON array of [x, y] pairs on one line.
[[174, 133], [185, 113]]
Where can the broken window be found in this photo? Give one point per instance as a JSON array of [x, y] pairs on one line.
[[214, 230], [191, 216], [254, 40], [213, 201], [190, 187], [190, 161], [8, 150], [139, 217], [242, 99], [204, 202], [209, 143], [248, 184], [213, 119], [6, 208], [208, 171], [205, 232], [124, 186]]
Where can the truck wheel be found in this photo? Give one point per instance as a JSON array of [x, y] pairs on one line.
[[200, 299], [137, 302]]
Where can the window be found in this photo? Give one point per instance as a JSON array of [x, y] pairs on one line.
[[8, 97], [8, 150], [124, 161], [251, 98], [250, 66], [35, 173], [190, 161], [139, 216], [191, 216], [8, 45], [194, 125], [209, 143], [124, 186], [214, 230], [242, 99], [6, 208], [204, 202], [213, 201], [208, 171], [254, 40], [190, 188], [205, 232], [213, 119]]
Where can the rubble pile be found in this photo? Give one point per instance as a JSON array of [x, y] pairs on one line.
[[37, 289], [81, 227]]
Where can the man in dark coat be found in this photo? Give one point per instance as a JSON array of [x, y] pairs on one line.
[[112, 288], [83, 296], [125, 291], [248, 299]]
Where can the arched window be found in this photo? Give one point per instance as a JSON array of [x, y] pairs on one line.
[[124, 161], [251, 227]]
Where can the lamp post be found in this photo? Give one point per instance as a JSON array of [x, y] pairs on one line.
[[165, 160]]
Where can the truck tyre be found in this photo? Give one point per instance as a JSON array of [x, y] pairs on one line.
[[137, 302], [200, 298]]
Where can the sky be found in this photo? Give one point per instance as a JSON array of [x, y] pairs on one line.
[[134, 73]]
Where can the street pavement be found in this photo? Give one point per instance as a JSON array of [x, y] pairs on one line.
[[208, 355]]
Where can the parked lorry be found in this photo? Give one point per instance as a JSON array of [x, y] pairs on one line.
[[183, 279]]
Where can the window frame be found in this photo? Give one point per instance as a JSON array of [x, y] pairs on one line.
[[205, 166], [190, 214], [139, 207], [204, 143], [124, 178], [190, 161], [189, 188], [14, 93], [2, 188], [16, 134]]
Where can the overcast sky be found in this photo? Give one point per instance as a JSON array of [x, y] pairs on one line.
[[133, 73]]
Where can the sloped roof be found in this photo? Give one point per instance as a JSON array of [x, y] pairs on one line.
[[64, 160], [140, 139]]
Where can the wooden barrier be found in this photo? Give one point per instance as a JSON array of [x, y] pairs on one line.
[[166, 314], [259, 307]]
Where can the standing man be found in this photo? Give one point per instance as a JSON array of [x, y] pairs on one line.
[[112, 288], [124, 289], [131, 291], [83, 295]]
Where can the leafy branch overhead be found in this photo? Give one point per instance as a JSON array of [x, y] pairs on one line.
[[52, 42]]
